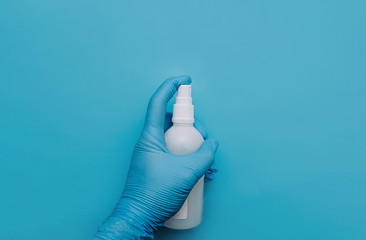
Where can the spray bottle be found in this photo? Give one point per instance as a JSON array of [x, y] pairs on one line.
[[181, 139]]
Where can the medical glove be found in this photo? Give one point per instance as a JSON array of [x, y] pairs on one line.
[[158, 182]]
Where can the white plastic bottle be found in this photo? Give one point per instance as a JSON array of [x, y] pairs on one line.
[[181, 139]]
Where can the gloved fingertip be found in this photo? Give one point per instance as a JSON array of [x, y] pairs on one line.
[[209, 146], [215, 145], [212, 170], [183, 79], [209, 177]]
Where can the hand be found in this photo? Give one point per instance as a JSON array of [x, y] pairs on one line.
[[158, 182]]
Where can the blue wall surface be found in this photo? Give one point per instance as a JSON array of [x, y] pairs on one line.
[[281, 85]]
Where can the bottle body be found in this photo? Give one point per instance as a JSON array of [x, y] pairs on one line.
[[182, 139]]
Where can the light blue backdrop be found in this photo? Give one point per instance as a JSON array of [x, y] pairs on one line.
[[281, 85]]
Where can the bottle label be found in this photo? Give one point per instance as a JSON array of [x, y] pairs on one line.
[[183, 212]]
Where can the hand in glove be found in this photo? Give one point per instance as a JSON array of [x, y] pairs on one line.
[[158, 182]]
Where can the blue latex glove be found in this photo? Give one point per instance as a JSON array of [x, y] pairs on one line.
[[158, 182]]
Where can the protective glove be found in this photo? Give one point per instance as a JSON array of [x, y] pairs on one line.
[[158, 182]]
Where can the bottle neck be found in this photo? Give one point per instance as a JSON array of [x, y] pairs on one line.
[[182, 124]]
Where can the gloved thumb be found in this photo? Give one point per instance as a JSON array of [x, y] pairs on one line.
[[205, 155]]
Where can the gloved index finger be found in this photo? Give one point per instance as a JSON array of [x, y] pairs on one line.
[[157, 106]]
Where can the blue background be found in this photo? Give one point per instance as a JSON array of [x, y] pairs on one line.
[[281, 85]]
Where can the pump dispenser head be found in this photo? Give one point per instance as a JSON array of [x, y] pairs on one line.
[[183, 110]]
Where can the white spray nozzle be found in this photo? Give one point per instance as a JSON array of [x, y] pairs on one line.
[[183, 108], [184, 91], [184, 95]]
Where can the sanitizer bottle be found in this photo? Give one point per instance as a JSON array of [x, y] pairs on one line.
[[181, 139]]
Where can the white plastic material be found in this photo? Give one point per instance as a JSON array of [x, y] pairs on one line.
[[181, 139], [183, 110]]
